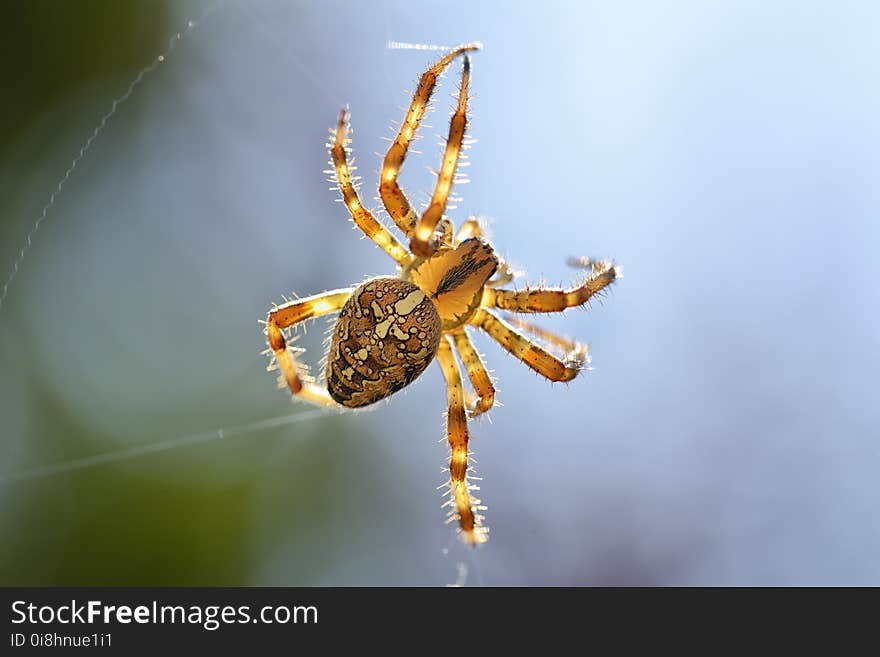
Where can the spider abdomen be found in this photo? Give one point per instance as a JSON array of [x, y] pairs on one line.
[[386, 335]]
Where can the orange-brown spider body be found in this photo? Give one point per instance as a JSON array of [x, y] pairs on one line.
[[389, 329]]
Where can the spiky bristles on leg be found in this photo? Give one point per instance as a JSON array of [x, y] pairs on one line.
[[460, 494], [465, 509], [528, 351], [393, 197], [362, 217], [550, 300], [293, 373], [421, 243], [477, 373]]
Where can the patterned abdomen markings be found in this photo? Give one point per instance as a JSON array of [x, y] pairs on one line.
[[386, 335]]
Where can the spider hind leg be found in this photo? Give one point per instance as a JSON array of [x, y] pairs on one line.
[[465, 507], [290, 314], [528, 351]]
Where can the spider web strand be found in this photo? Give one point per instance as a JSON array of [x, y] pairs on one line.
[[116, 456], [159, 59]]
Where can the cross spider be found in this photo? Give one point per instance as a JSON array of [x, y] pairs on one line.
[[390, 328]]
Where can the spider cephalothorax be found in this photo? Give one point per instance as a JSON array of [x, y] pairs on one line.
[[389, 329]]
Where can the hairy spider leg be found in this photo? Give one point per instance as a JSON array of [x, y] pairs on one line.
[[566, 344], [476, 371], [551, 300], [393, 197], [528, 351], [294, 312], [466, 508], [422, 243], [362, 217]]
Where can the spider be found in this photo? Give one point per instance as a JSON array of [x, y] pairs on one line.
[[390, 328]]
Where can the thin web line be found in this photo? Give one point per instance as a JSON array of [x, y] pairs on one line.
[[45, 471], [172, 43]]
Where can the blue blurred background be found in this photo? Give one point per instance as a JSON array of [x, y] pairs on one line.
[[726, 154]]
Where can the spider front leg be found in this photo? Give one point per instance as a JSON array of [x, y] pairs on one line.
[[529, 352], [292, 313], [421, 243], [477, 373], [362, 217], [466, 508], [551, 300], [393, 197]]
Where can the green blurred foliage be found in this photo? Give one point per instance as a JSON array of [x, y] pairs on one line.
[[50, 48], [206, 515]]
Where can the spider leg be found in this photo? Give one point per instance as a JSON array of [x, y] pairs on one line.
[[551, 300], [503, 275], [292, 313], [528, 351], [566, 344], [421, 243], [472, 228], [466, 508], [362, 217], [476, 371], [393, 197]]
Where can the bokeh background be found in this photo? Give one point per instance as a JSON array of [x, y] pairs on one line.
[[725, 153]]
